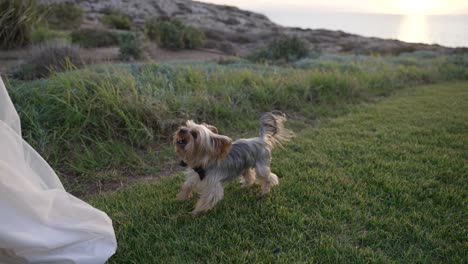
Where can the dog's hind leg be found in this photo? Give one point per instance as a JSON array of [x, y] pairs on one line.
[[266, 177], [248, 178], [210, 194]]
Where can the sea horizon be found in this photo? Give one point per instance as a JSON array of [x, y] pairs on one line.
[[450, 30]]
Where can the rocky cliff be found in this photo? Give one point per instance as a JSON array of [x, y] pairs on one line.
[[240, 29]]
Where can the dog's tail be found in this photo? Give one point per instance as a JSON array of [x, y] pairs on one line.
[[272, 129]]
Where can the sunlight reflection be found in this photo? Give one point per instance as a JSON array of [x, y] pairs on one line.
[[414, 29]]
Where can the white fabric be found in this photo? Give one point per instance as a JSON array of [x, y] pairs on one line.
[[39, 221]]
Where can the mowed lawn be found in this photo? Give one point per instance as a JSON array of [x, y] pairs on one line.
[[385, 183]]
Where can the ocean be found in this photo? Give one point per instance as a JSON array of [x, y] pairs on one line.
[[446, 30]]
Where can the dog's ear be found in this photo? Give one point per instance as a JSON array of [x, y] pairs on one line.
[[211, 128], [222, 145]]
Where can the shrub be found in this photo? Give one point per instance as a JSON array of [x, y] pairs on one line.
[[210, 44], [94, 38], [227, 48], [152, 28], [117, 21], [130, 46], [421, 54], [63, 15], [47, 58], [107, 10], [193, 37], [460, 50], [261, 55], [17, 20], [170, 36], [43, 34], [284, 48], [174, 34], [288, 48], [459, 60]]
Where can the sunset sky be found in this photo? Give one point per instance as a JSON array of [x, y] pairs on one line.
[[421, 7]]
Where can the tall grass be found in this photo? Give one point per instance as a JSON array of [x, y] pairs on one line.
[[63, 15], [47, 58], [92, 122], [43, 34], [17, 19]]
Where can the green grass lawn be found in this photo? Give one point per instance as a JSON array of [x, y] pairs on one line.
[[385, 183]]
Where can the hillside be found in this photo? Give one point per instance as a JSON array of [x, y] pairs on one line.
[[244, 30]]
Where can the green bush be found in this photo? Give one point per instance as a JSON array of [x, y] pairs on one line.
[[227, 48], [44, 59], [43, 34], [283, 48], [63, 15], [17, 20], [130, 46], [94, 38], [261, 55], [170, 36], [193, 37], [152, 28], [421, 54], [174, 34], [117, 21]]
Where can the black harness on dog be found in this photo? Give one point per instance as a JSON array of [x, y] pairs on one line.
[[199, 170]]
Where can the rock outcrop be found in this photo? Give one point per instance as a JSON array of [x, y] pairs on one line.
[[240, 31]]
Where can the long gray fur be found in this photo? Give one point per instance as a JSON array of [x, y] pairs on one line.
[[255, 152]]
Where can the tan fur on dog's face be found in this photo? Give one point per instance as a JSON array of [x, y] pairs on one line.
[[200, 145]]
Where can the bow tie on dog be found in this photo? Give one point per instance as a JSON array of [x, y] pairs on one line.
[[214, 160]]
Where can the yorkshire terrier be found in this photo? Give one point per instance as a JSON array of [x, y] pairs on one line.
[[213, 160]]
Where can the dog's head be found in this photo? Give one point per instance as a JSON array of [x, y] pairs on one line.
[[200, 144]]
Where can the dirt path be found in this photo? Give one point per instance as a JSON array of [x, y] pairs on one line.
[[11, 59]]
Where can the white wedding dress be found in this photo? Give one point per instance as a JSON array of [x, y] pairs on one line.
[[39, 221]]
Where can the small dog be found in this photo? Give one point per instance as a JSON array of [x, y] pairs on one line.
[[214, 160]]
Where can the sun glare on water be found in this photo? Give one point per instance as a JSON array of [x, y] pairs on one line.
[[414, 29]]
